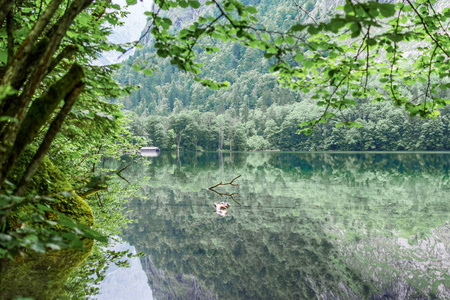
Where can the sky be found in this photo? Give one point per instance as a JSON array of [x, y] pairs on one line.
[[125, 283], [130, 32]]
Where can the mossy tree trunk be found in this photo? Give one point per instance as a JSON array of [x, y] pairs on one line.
[[48, 139], [32, 62], [38, 115]]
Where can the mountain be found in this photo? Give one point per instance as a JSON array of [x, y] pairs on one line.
[[133, 24], [257, 111]]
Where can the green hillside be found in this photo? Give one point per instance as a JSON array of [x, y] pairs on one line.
[[256, 112]]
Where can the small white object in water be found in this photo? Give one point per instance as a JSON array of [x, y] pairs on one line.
[[221, 208]]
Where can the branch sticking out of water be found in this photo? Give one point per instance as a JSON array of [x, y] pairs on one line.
[[226, 194], [227, 183]]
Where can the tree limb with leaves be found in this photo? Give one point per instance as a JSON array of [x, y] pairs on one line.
[[53, 100], [330, 61]]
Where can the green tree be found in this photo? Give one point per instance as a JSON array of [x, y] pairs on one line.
[[179, 124], [327, 60], [271, 133], [47, 51]]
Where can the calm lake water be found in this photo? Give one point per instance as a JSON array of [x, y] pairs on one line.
[[299, 225]]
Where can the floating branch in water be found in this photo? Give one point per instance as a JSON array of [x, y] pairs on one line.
[[226, 194], [227, 183], [120, 175]]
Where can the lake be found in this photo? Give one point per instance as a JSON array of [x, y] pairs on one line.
[[298, 226]]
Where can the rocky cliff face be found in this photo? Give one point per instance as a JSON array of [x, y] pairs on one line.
[[170, 287], [403, 269]]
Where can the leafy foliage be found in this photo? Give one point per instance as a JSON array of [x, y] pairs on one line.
[[47, 54], [331, 61]]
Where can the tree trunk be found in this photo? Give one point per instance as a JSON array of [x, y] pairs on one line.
[[38, 114], [220, 139], [5, 8], [49, 137], [16, 75], [19, 64]]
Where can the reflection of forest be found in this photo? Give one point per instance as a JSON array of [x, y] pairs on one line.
[[311, 225]]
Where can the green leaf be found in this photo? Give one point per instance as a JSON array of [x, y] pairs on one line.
[[290, 40], [278, 41], [38, 247], [312, 30], [272, 50], [194, 4], [5, 237], [335, 25], [131, 2], [308, 64], [53, 246], [354, 124], [183, 4], [162, 53], [387, 10], [299, 57], [166, 23], [251, 9], [355, 28], [147, 72], [297, 27]]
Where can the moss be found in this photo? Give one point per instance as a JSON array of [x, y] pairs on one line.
[[42, 275], [49, 180]]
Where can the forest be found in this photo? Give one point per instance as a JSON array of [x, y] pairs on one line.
[[205, 76], [172, 110]]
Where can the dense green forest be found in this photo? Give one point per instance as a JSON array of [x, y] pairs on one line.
[[256, 112], [60, 112]]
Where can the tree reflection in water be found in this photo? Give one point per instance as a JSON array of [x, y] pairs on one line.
[[222, 207], [329, 226]]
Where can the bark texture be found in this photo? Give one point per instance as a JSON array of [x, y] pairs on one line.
[[37, 50], [39, 113], [55, 127]]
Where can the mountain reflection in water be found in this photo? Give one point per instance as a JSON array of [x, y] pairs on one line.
[[310, 225]]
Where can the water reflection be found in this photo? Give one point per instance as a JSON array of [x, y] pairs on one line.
[[125, 283], [330, 226], [222, 207]]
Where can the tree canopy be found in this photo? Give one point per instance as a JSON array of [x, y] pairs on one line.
[[54, 101], [334, 60]]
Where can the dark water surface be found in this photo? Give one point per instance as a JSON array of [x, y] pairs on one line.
[[309, 225]]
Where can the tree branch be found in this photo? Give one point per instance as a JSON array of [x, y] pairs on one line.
[[426, 29], [228, 195], [48, 139], [16, 68], [68, 50], [227, 183], [5, 8], [38, 114], [9, 33], [301, 8]]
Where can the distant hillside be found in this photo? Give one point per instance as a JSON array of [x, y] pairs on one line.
[[264, 114]]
